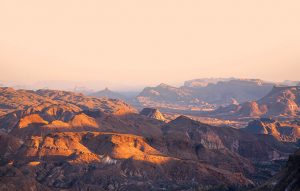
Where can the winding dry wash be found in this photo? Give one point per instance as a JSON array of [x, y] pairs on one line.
[[160, 95]]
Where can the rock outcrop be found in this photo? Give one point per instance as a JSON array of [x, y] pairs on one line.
[[153, 113]]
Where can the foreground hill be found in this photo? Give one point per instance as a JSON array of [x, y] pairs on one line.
[[280, 101]]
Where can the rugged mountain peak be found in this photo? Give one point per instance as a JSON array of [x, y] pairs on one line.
[[153, 113]]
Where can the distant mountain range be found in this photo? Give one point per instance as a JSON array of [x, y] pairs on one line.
[[210, 94], [221, 96], [241, 97]]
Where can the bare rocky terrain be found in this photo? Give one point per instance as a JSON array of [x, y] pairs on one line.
[[59, 140]]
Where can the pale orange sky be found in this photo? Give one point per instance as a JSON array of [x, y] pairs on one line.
[[140, 42]]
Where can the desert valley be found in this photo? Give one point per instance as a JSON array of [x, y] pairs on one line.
[[244, 138]]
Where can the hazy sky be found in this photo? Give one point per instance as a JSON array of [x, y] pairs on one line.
[[134, 43]]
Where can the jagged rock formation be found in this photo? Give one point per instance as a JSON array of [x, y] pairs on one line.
[[153, 113], [282, 131]]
